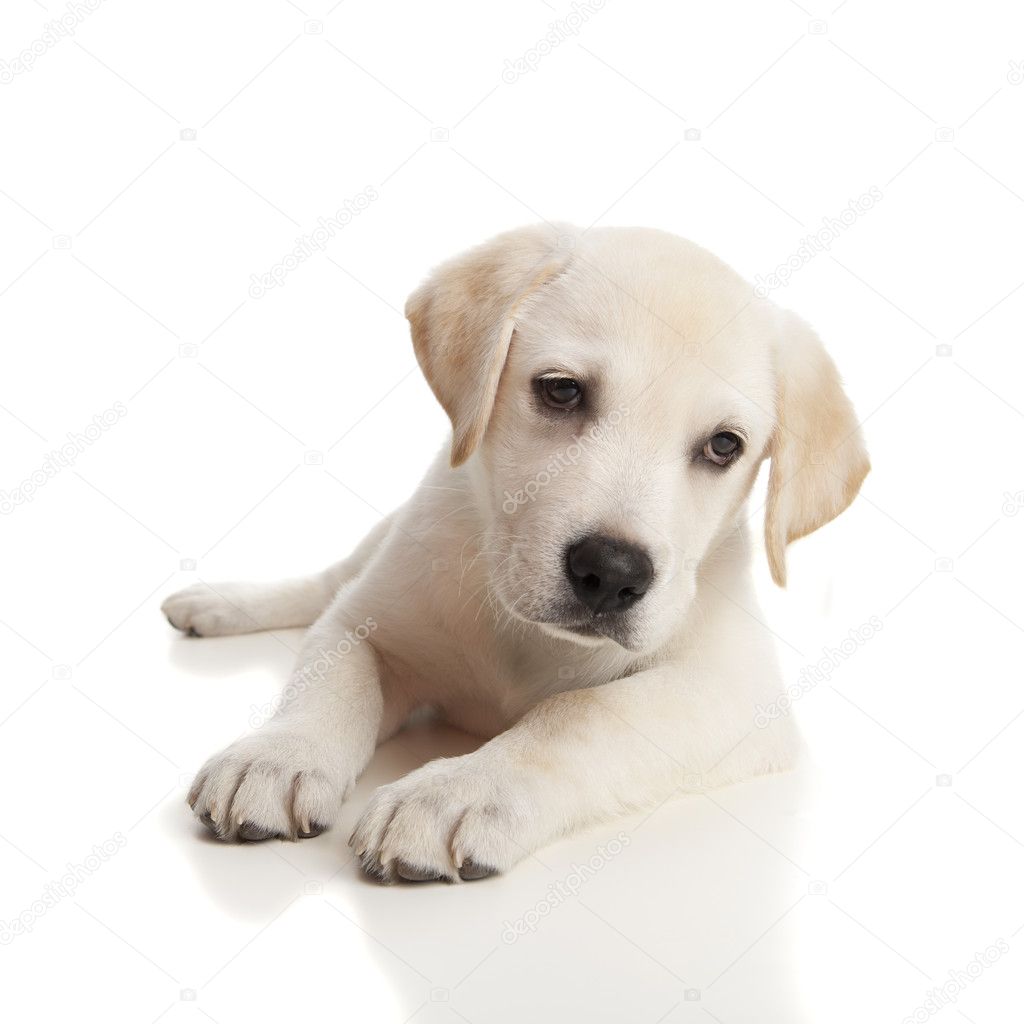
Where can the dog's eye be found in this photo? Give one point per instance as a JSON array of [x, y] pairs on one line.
[[561, 392], [722, 448]]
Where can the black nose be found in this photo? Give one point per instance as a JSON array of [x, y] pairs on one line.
[[608, 575]]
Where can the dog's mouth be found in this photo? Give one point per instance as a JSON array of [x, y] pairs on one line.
[[566, 620], [584, 630], [593, 630], [576, 631]]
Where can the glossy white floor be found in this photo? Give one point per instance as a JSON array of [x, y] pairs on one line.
[[842, 892], [255, 431]]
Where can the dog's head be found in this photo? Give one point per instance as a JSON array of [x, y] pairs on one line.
[[617, 390]]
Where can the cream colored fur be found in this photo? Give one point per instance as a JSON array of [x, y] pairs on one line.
[[459, 600]]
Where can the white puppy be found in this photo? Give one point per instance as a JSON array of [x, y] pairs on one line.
[[573, 581]]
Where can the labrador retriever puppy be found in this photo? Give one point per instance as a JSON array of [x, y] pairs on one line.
[[571, 579]]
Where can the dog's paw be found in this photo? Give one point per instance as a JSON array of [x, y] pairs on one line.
[[271, 784], [451, 820], [202, 610]]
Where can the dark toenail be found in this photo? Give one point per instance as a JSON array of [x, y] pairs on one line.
[[315, 828], [373, 867], [411, 873], [191, 631], [471, 870], [207, 819], [250, 832]]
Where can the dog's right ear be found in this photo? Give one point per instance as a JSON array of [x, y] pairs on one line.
[[463, 316]]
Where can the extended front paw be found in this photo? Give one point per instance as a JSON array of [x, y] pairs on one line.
[[269, 785], [205, 610], [450, 820]]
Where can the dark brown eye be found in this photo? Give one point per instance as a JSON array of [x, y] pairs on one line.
[[561, 392], [722, 448]]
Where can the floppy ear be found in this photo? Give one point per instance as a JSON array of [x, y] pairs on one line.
[[462, 321], [818, 459]]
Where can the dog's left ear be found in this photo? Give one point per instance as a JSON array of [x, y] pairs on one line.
[[818, 459], [462, 320]]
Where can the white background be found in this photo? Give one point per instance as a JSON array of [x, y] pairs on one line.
[[263, 437]]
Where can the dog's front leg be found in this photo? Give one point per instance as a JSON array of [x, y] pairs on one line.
[[576, 758], [288, 777]]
